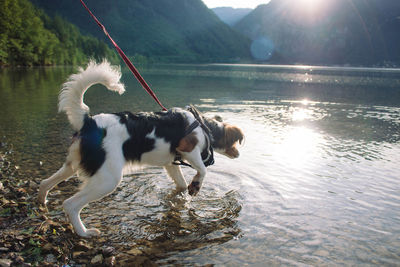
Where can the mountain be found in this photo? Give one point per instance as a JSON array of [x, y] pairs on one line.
[[231, 15], [357, 32], [173, 30]]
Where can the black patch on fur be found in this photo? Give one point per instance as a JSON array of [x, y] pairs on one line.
[[169, 125], [91, 147]]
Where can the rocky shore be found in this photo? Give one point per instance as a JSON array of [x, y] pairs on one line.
[[30, 236]]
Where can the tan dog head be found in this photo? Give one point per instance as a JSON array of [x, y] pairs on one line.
[[225, 136]]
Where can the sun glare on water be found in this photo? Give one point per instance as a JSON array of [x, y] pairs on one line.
[[299, 145]]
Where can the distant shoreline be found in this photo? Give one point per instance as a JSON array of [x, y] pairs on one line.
[[314, 67], [246, 65]]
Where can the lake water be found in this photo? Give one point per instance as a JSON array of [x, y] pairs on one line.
[[317, 182]]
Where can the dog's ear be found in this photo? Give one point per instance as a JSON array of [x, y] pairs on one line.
[[232, 135], [187, 143]]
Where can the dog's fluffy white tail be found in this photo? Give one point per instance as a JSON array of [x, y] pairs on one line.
[[72, 92]]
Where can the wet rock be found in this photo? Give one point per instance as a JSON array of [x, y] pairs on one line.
[[19, 259], [110, 261], [78, 254], [5, 263], [137, 261], [48, 247], [5, 201], [33, 185], [153, 251], [50, 258], [101, 240], [11, 255], [107, 251], [83, 262], [134, 251], [322, 253], [82, 246], [97, 259]]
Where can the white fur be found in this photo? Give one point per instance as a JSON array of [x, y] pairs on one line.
[[107, 178], [72, 92]]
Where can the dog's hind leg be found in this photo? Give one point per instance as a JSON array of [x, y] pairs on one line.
[[96, 187], [46, 185], [175, 172]]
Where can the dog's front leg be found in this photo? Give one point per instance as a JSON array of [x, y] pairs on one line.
[[194, 158]]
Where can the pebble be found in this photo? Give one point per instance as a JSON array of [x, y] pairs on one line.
[[47, 247], [20, 260], [322, 253], [77, 254], [33, 185], [81, 246], [107, 251], [97, 259], [50, 258], [134, 251], [110, 261], [5, 263]]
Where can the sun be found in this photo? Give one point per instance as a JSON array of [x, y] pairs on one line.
[[310, 5], [309, 2]]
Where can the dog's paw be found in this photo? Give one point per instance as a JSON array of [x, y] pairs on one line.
[[91, 232], [42, 199], [180, 189], [194, 188]]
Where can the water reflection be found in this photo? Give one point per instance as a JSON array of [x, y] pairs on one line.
[[147, 210], [299, 144], [316, 183]]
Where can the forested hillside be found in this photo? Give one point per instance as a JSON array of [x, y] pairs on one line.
[[362, 32], [29, 37], [231, 15], [162, 30]]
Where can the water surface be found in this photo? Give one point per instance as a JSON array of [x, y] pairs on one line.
[[317, 182]]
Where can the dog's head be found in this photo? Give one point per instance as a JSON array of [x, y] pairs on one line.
[[225, 137]]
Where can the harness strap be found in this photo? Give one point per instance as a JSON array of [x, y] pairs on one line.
[[191, 127], [207, 155]]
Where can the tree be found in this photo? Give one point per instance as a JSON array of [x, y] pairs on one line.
[[29, 37]]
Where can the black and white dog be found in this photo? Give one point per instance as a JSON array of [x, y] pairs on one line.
[[105, 144]]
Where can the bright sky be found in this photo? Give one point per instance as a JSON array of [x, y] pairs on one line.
[[235, 3]]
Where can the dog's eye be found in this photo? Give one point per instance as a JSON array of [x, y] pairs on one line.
[[218, 118]]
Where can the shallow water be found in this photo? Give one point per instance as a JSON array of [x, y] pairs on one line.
[[316, 182]]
